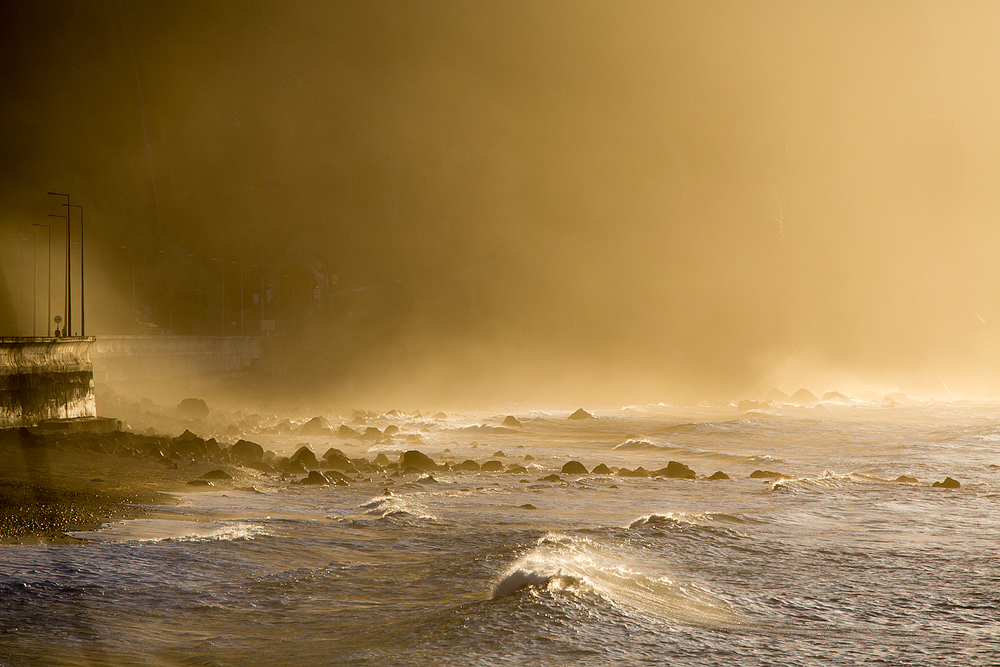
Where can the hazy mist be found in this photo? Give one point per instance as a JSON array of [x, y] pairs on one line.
[[527, 201]]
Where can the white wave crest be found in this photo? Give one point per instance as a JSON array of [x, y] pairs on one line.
[[579, 565], [170, 530], [405, 507]]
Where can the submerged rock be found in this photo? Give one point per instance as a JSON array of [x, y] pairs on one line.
[[906, 479], [193, 408], [767, 474], [551, 478], [498, 454], [573, 468], [467, 466], [948, 483], [512, 422], [516, 469], [200, 482], [581, 414], [718, 475], [217, 474], [601, 469], [492, 466], [416, 459], [638, 472], [676, 470]]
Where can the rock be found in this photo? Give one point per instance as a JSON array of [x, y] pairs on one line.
[[766, 474], [337, 461], [492, 466], [573, 468], [516, 469], [315, 477], [601, 469], [948, 483], [835, 396], [440, 415], [416, 459], [676, 470], [391, 429], [333, 451], [906, 479], [193, 408], [371, 433], [306, 456], [551, 478], [638, 472], [217, 474], [200, 482], [803, 396], [512, 421], [777, 395], [316, 426], [719, 475], [297, 467], [246, 452], [581, 414], [345, 432], [427, 480], [467, 466], [499, 454], [527, 506], [337, 478], [382, 459], [188, 436], [529, 457]]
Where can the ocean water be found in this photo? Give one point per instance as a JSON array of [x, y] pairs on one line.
[[834, 564]]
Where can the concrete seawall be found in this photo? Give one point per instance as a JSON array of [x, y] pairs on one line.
[[45, 378]]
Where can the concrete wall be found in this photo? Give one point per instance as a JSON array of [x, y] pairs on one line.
[[45, 378]]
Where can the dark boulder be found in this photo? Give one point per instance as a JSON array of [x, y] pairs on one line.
[[719, 475], [315, 477], [766, 474], [551, 478], [333, 451], [466, 466], [337, 478], [391, 429], [638, 472], [200, 482], [217, 474], [491, 466], [516, 469], [429, 479], [948, 483], [371, 433], [573, 468], [316, 426], [297, 467], [382, 459], [306, 456], [416, 459], [498, 454], [906, 479], [192, 408], [581, 414], [601, 469], [512, 421], [676, 470], [247, 452]]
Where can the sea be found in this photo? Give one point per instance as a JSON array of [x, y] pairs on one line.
[[827, 545]]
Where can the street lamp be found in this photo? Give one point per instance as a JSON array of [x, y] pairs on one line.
[[48, 281], [261, 267], [34, 285], [222, 265], [82, 333], [68, 327], [199, 291]]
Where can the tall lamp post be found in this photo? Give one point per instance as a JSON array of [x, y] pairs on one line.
[[199, 291], [261, 267], [48, 281], [222, 265], [79, 206], [34, 285], [68, 327]]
